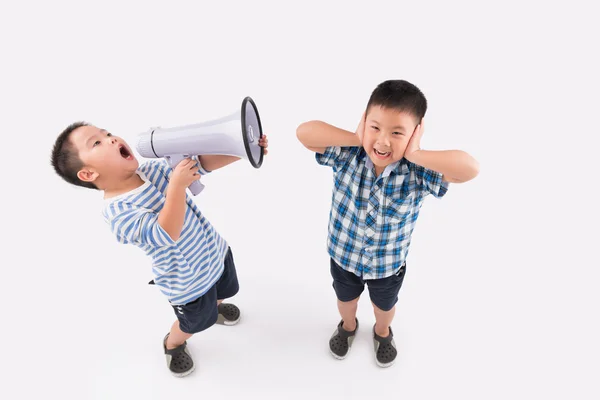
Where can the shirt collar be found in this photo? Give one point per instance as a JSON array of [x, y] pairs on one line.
[[400, 167]]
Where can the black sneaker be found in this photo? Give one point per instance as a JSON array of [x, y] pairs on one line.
[[179, 360], [229, 314], [341, 341], [385, 349]]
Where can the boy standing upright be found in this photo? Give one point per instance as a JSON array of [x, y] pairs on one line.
[[381, 177]]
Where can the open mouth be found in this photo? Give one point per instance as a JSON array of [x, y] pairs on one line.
[[125, 153], [382, 155]]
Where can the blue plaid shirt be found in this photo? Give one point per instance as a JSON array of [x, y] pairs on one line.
[[372, 218]]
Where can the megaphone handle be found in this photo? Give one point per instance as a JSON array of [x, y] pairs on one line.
[[196, 187]]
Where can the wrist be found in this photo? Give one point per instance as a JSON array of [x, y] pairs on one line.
[[175, 187], [414, 156]]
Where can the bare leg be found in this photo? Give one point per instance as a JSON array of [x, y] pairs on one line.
[[383, 320], [176, 337], [347, 311]]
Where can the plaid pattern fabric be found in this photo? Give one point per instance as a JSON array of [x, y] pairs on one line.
[[372, 218]]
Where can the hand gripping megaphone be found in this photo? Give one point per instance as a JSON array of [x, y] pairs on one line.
[[235, 135]]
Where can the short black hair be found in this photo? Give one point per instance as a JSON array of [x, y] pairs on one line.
[[65, 158], [399, 95]]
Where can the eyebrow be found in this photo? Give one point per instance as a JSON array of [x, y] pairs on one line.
[[398, 127], [93, 136]]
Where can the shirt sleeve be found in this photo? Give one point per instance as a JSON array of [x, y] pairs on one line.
[[334, 156], [136, 225], [431, 181], [201, 170]]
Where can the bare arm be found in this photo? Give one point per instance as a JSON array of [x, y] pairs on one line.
[[318, 135], [213, 162], [456, 165], [172, 215]]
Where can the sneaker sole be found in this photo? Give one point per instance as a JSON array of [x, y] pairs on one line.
[[339, 357], [384, 365], [183, 374], [222, 321]]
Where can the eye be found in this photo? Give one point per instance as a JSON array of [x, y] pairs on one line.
[[97, 142], [374, 128], [109, 134], [398, 133]]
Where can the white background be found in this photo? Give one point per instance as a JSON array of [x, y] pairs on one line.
[[501, 296]]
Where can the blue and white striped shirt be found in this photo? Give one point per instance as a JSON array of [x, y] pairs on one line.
[[184, 269], [372, 218]]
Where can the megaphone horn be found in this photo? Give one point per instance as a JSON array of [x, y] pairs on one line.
[[235, 135]]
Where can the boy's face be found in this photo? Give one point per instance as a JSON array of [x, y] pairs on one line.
[[106, 158], [387, 133]]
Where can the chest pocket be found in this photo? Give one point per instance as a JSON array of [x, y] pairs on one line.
[[397, 210]]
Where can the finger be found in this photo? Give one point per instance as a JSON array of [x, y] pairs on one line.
[[417, 130]]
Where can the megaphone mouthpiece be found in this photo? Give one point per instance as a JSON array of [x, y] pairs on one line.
[[144, 144]]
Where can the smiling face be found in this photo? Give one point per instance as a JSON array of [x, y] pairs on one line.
[[107, 159], [387, 133]]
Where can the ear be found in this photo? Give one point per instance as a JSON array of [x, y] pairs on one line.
[[87, 175]]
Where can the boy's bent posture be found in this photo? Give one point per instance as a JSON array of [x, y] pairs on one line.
[[381, 177], [148, 206]]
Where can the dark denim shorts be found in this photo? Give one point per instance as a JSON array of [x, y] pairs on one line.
[[383, 292], [202, 313]]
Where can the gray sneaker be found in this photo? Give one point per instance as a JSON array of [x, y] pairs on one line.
[[229, 314], [179, 359], [341, 341], [385, 349]]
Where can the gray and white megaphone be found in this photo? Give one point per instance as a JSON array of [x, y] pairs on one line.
[[235, 135]]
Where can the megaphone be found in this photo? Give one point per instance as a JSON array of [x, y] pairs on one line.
[[235, 135]]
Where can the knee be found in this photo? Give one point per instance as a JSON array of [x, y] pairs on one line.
[[378, 310], [351, 302]]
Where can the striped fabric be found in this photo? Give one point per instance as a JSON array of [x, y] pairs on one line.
[[372, 218], [184, 269]]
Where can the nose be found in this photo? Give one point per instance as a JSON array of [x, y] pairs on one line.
[[383, 139]]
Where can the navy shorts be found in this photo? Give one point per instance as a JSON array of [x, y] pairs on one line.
[[202, 313], [383, 292]]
